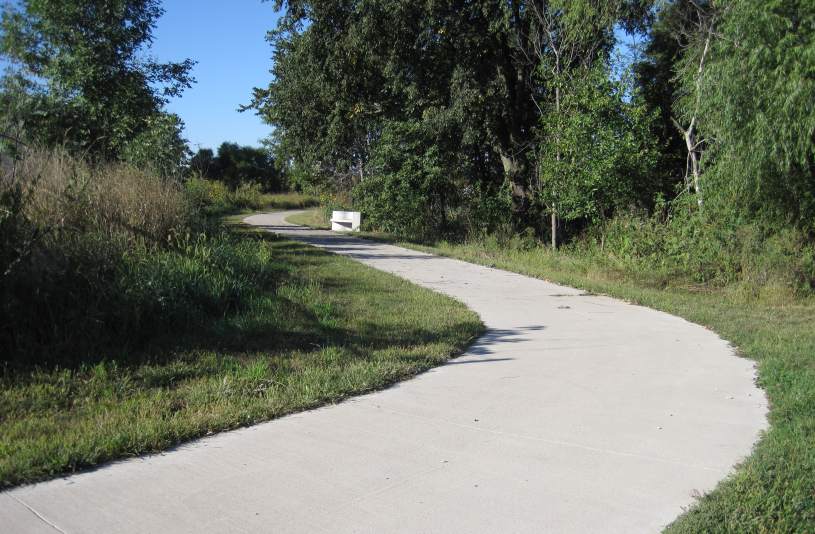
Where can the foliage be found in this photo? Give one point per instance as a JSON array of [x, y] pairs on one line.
[[345, 72], [724, 254], [69, 232], [656, 70], [160, 147], [757, 92], [595, 150], [213, 197], [409, 191], [80, 76], [238, 166]]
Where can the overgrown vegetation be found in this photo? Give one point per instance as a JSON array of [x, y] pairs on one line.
[[213, 197], [130, 323]]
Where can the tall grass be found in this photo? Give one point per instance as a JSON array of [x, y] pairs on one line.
[[214, 197], [92, 256]]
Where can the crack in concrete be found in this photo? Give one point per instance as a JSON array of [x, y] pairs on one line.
[[39, 515]]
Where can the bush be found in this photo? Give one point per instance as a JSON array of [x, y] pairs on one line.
[[409, 192], [707, 248], [213, 197]]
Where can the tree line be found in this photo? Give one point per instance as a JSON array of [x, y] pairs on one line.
[[450, 116], [460, 117]]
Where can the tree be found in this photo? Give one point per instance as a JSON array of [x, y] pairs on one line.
[[344, 69], [566, 37], [80, 67], [756, 107], [203, 163], [702, 18], [408, 191], [668, 37], [597, 147], [236, 165]]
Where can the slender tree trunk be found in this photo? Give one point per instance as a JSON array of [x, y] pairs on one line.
[[689, 134], [557, 158], [694, 157]]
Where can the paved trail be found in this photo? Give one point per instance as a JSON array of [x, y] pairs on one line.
[[574, 413]]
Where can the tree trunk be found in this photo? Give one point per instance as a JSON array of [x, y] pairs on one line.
[[694, 157], [557, 158], [513, 173]]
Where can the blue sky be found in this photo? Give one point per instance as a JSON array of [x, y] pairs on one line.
[[227, 38]]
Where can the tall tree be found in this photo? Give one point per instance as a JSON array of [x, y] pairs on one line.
[[698, 30], [81, 69], [343, 68], [566, 38], [757, 90], [463, 75], [668, 37], [597, 147]]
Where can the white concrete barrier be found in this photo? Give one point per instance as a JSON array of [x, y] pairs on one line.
[[345, 221]]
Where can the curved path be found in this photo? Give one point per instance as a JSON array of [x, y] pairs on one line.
[[573, 413]]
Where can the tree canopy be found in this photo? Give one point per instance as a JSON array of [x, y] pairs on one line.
[[80, 76], [463, 84], [235, 165]]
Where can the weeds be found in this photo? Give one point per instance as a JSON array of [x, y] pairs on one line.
[[215, 198]]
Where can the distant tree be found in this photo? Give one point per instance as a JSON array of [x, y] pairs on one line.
[[202, 163], [235, 165], [79, 67]]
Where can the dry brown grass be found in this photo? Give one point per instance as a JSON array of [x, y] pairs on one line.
[[111, 198]]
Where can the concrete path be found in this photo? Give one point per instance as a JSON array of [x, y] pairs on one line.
[[574, 413]]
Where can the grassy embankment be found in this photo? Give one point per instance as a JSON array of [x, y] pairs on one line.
[[774, 489], [123, 334], [315, 218]]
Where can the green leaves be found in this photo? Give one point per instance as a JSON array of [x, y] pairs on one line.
[[87, 84], [752, 99], [594, 148]]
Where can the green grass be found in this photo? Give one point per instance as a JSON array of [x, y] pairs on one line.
[[774, 489], [313, 328], [314, 218], [288, 201]]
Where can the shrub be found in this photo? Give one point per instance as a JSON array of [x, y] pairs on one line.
[[705, 247]]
